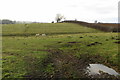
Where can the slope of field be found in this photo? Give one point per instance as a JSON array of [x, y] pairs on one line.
[[47, 28]]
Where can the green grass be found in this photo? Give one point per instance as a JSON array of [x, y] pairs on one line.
[[19, 54], [47, 28], [24, 56], [16, 54]]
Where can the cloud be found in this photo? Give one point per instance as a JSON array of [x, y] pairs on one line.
[[72, 6], [46, 10]]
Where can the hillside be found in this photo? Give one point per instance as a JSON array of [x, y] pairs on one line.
[[47, 28]]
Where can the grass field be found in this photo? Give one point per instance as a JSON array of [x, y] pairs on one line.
[[48, 28], [58, 54]]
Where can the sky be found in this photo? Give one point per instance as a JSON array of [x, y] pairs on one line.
[[45, 10]]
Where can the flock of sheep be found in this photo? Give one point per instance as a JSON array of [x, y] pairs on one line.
[[40, 35]]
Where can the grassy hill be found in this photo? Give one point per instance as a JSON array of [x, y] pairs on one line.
[[47, 28]]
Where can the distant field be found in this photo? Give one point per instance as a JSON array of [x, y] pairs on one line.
[[47, 28]]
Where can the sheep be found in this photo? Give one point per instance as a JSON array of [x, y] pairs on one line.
[[43, 34], [37, 35], [40, 34]]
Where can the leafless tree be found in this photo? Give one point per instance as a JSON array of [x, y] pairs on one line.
[[59, 17]]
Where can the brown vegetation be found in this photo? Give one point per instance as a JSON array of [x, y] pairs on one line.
[[107, 27]]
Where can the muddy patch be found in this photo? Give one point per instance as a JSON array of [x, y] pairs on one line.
[[74, 42], [88, 58], [62, 64], [59, 42], [107, 40], [118, 42], [117, 39], [112, 37], [95, 43], [81, 37], [68, 66]]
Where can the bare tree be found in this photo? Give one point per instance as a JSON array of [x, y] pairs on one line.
[[59, 17], [96, 21]]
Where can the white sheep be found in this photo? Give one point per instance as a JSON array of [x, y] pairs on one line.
[[37, 35], [43, 34]]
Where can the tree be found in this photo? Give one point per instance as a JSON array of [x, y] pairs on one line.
[[6, 21], [95, 21], [59, 17]]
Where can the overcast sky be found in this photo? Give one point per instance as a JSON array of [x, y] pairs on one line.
[[46, 10]]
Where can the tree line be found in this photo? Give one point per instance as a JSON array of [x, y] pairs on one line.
[[6, 21]]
